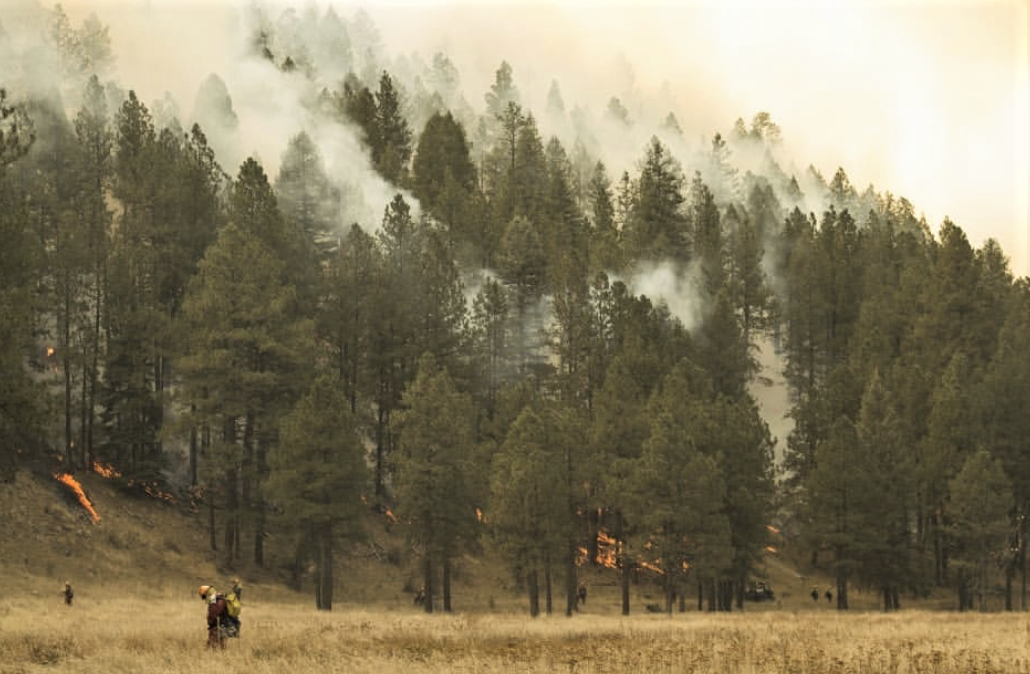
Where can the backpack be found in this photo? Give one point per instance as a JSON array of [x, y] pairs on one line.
[[232, 605]]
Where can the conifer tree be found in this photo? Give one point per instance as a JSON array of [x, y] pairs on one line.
[[433, 477], [318, 476]]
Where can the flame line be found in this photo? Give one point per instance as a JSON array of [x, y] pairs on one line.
[[73, 484]]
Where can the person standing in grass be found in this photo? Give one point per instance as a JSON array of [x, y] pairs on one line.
[[69, 594], [216, 614]]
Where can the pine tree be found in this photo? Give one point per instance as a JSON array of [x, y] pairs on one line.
[[981, 503], [433, 474], [318, 476], [392, 148], [247, 363], [656, 227], [605, 245], [306, 197]]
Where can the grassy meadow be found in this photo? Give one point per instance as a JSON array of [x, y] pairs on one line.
[[118, 634]]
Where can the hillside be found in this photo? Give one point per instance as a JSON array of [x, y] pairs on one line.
[[147, 543]]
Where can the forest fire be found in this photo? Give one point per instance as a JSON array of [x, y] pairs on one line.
[[71, 483], [770, 549], [772, 528], [152, 490], [105, 470], [652, 567], [390, 516], [606, 551], [50, 352]]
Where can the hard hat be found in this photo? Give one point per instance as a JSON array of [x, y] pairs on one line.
[[203, 590]]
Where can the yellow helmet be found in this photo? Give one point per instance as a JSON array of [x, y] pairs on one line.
[[203, 590]]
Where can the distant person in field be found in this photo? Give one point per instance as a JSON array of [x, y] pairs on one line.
[[216, 615], [237, 589], [69, 594], [581, 594], [420, 596], [829, 596], [814, 594]]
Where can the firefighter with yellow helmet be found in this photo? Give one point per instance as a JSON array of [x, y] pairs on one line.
[[216, 614]]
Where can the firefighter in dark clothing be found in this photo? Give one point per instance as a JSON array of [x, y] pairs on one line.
[[216, 613], [69, 594]]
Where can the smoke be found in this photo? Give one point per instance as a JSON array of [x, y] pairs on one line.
[[928, 102], [673, 285]]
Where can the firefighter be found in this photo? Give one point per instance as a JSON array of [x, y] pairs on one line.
[[216, 614], [69, 594]]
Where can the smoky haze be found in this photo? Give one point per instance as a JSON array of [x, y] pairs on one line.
[[925, 99]]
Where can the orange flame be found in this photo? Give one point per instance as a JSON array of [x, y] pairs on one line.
[[50, 351], [772, 528], [73, 484], [390, 516], [651, 567], [771, 549], [107, 470], [479, 516], [606, 546]]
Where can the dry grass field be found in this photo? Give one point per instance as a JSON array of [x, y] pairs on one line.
[[115, 634], [135, 612]]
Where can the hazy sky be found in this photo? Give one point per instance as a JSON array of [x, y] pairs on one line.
[[926, 99]]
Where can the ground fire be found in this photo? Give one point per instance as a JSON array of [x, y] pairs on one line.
[[105, 470], [71, 483]]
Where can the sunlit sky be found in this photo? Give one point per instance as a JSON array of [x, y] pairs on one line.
[[926, 99]]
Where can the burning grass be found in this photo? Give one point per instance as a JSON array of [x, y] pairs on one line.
[[73, 485], [109, 634]]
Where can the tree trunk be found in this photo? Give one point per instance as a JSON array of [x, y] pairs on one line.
[[297, 568], [381, 421], [842, 592], [260, 474], [427, 579], [593, 521], [259, 532], [1022, 566], [700, 596], [622, 561], [533, 589], [624, 581], [447, 584], [1010, 575], [83, 453], [194, 452], [668, 592], [548, 597], [94, 366], [571, 601], [66, 365], [211, 520], [326, 568], [232, 536], [983, 587]]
